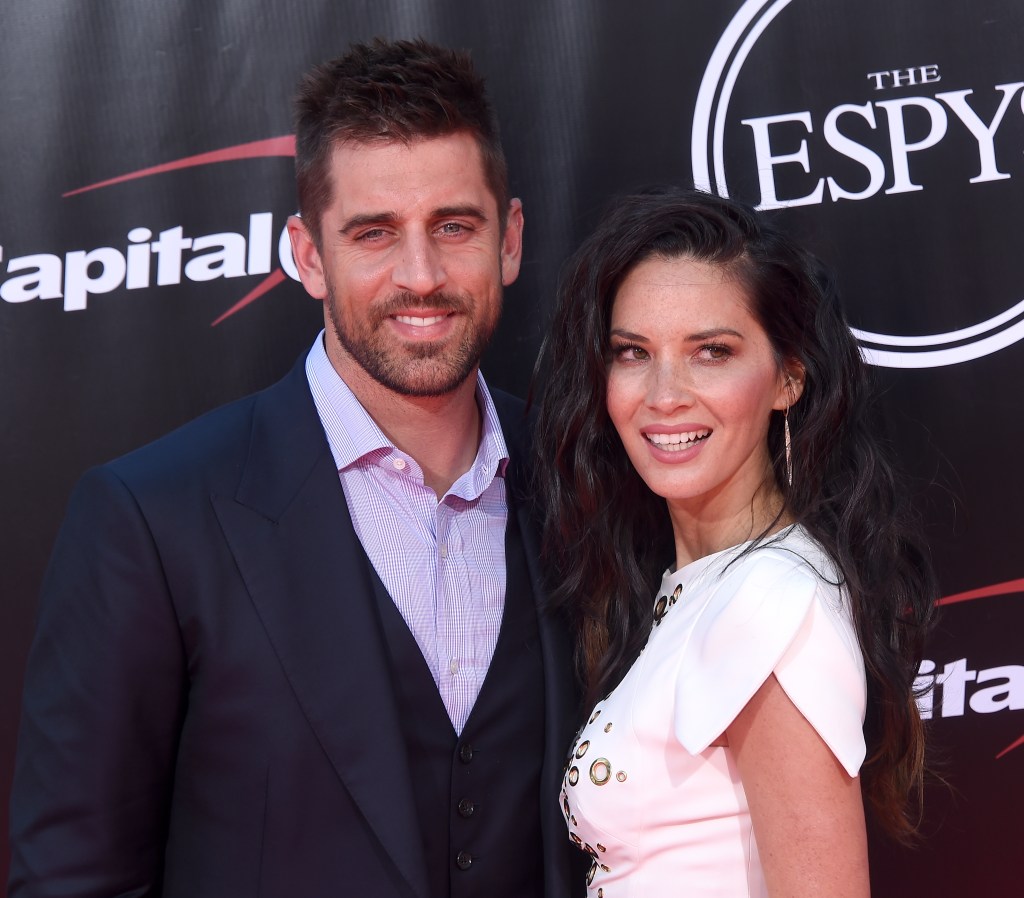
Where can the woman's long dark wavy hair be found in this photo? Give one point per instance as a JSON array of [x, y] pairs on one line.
[[608, 538]]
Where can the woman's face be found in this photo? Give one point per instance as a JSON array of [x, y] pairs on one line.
[[692, 382]]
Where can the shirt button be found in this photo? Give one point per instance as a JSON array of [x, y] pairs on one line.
[[465, 753], [442, 550], [466, 808], [399, 464], [454, 666], [464, 860]]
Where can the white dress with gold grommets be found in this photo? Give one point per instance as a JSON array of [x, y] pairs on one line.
[[661, 811]]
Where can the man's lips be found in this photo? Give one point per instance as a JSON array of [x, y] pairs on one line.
[[423, 324], [420, 320]]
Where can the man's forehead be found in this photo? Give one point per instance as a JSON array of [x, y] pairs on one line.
[[394, 151], [430, 173]]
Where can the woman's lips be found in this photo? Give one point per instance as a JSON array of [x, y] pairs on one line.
[[677, 440]]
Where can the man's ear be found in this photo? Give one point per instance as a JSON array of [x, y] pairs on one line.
[[512, 243], [307, 258]]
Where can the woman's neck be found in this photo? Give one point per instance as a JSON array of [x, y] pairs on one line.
[[702, 528]]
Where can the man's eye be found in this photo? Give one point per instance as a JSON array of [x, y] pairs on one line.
[[452, 228], [372, 234]]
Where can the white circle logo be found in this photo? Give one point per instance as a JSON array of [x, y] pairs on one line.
[[709, 173]]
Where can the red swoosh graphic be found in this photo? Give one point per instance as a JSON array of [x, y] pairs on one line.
[[272, 146], [275, 277], [997, 589], [1010, 748]]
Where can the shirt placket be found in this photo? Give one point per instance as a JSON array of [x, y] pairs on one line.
[[448, 614]]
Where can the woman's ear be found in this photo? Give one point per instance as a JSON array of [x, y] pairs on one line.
[[792, 388]]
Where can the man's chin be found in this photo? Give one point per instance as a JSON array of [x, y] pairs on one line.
[[419, 381], [414, 369]]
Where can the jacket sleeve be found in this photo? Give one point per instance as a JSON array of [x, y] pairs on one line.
[[104, 698]]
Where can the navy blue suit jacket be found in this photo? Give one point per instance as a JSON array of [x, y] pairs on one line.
[[207, 707]]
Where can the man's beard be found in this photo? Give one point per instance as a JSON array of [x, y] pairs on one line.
[[407, 368]]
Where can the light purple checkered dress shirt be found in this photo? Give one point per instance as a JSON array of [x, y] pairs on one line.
[[443, 562]]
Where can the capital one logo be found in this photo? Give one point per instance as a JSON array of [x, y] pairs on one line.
[[958, 687], [160, 260], [916, 121]]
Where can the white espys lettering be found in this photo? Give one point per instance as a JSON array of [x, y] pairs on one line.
[[782, 140], [909, 77]]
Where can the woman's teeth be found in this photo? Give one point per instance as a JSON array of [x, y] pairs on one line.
[[676, 442]]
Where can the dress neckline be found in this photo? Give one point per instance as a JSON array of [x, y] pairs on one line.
[[689, 572]]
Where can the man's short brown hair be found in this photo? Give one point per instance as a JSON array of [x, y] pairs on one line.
[[390, 91]]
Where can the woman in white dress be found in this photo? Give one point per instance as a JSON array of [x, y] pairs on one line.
[[706, 410]]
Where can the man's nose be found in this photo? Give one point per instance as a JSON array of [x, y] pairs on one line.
[[419, 267]]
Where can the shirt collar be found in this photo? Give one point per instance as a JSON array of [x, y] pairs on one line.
[[353, 435]]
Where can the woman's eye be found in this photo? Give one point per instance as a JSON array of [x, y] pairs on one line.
[[631, 353], [715, 352]]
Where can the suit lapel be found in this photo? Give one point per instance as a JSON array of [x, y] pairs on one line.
[[290, 531], [561, 697]]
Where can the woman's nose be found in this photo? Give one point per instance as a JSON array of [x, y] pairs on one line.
[[669, 387]]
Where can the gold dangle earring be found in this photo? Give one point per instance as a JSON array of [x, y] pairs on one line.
[[789, 448]]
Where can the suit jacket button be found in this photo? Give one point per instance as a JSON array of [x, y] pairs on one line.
[[465, 753], [464, 860], [466, 808]]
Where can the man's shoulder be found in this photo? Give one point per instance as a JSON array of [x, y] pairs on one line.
[[217, 442]]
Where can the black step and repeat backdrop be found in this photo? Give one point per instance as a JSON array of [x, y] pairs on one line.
[[145, 165]]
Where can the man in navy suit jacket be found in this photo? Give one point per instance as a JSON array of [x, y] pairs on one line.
[[240, 683]]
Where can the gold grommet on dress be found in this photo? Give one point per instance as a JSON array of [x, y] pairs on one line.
[[600, 771], [621, 776], [582, 750], [574, 775], [659, 609]]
